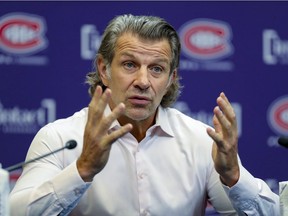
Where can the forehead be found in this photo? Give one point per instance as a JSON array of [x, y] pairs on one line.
[[133, 42]]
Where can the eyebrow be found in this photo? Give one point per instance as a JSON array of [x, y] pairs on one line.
[[127, 54]]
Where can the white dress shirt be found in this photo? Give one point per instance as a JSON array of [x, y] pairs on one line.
[[169, 173]]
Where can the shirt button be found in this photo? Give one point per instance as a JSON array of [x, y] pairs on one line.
[[141, 175], [77, 191]]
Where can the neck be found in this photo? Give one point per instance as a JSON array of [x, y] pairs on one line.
[[139, 127]]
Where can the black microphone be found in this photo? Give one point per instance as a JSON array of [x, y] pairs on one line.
[[283, 141], [71, 144]]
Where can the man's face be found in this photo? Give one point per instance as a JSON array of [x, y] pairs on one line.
[[139, 75]]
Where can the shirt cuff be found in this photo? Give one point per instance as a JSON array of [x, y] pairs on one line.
[[69, 186], [245, 188]]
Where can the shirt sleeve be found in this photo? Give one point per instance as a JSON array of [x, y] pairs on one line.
[[50, 185], [249, 196], [57, 196], [252, 196]]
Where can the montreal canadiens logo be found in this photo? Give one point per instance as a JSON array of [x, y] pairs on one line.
[[22, 33], [206, 39], [278, 116]]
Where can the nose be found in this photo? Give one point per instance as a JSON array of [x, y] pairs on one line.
[[142, 79]]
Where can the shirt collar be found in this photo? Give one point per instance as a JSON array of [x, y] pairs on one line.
[[162, 121]]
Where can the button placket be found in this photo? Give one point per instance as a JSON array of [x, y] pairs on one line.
[[143, 189]]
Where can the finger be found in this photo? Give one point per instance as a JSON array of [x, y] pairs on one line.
[[115, 114], [217, 125], [215, 136], [221, 120], [226, 107], [98, 104], [119, 133], [96, 96], [224, 97], [103, 100]]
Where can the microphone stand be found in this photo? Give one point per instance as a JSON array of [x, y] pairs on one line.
[[69, 145]]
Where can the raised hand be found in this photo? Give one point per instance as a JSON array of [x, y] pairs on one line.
[[97, 142], [225, 146]]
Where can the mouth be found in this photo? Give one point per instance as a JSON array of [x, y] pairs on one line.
[[139, 100]]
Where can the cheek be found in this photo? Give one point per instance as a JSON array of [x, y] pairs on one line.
[[161, 89], [118, 86]]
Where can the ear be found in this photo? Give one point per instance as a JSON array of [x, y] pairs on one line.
[[102, 70], [172, 77]]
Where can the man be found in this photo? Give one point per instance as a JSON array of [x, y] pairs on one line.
[[135, 155]]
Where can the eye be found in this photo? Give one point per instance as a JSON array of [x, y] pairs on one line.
[[157, 70], [129, 65]]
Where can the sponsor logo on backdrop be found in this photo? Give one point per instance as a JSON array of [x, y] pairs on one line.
[[207, 117], [22, 36], [90, 41], [19, 120], [207, 44], [275, 49], [277, 117]]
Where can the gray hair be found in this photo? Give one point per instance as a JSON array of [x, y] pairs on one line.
[[146, 27]]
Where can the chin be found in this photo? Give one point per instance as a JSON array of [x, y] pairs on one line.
[[138, 115]]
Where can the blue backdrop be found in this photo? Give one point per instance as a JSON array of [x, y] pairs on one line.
[[241, 48]]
